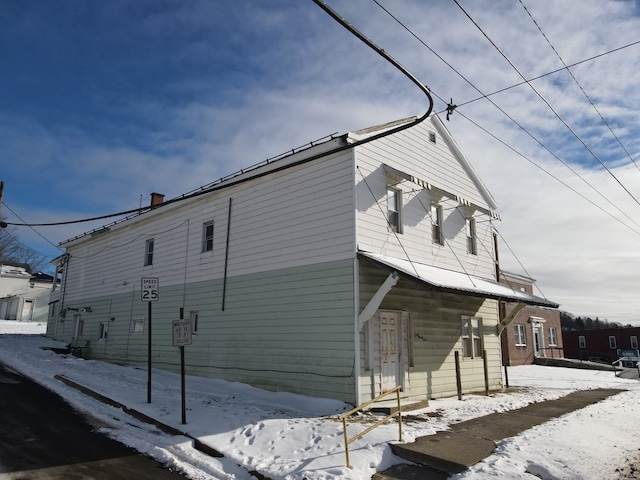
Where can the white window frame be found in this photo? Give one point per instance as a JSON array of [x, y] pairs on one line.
[[582, 341], [521, 334], [553, 337], [149, 247], [137, 325], [633, 340], [612, 342], [194, 316], [472, 241], [207, 239], [436, 224], [103, 331], [394, 209], [472, 344]]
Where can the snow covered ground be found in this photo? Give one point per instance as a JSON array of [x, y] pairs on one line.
[[286, 436]]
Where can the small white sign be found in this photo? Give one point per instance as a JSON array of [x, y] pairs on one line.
[[150, 287], [181, 332]]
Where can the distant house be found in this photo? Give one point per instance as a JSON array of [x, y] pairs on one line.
[[600, 345], [533, 331], [342, 270], [24, 296]]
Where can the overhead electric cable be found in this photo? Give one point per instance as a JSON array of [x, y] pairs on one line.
[[513, 120], [31, 227], [564, 122], [578, 84]]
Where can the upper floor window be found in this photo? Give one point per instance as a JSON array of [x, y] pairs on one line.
[[148, 252], [521, 335], [612, 342], [207, 237], [472, 245], [436, 224], [582, 341], [394, 205], [553, 336], [634, 342], [471, 337]]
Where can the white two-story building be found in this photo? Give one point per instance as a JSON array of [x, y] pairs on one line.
[[341, 270]]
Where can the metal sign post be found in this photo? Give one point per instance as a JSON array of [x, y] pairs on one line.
[[181, 337], [149, 293]]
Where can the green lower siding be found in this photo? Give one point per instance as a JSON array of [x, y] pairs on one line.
[[289, 330], [436, 319]]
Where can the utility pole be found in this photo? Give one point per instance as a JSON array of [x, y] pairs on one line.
[[1, 194]]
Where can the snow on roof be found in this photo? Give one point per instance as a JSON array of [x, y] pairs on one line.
[[450, 280]]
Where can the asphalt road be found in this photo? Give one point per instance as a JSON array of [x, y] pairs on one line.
[[42, 437]]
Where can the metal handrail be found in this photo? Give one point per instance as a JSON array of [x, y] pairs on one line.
[[344, 417]]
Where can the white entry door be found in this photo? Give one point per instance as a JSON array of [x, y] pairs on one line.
[[389, 351], [27, 310], [538, 341]]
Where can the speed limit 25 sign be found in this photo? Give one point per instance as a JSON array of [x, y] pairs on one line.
[[150, 287]]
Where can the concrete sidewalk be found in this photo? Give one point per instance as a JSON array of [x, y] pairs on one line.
[[466, 443]]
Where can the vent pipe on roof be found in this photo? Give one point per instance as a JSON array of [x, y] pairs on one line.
[[156, 199]]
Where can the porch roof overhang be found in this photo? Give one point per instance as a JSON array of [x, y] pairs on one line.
[[440, 279]]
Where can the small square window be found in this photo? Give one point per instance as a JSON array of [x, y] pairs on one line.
[[137, 325], [207, 237], [432, 137], [148, 257]]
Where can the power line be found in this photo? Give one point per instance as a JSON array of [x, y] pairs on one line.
[[31, 227], [514, 121], [578, 84], [564, 122]]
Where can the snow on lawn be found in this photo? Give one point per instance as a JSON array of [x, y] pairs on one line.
[[293, 437]]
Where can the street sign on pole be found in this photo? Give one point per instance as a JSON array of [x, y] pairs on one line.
[[181, 332], [150, 288]]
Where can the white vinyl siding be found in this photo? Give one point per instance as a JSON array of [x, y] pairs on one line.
[[411, 152]]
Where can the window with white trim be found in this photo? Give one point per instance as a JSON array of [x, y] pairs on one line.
[[148, 252], [634, 342], [582, 341], [553, 337], [103, 329], [472, 337], [394, 206], [207, 236], [612, 342], [436, 224], [137, 325], [472, 243], [521, 335]]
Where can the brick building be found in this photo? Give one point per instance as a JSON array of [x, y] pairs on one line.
[[534, 331], [600, 345]]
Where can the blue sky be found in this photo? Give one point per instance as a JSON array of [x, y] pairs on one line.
[[102, 103]]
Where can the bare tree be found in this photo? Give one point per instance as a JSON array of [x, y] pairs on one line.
[[12, 250]]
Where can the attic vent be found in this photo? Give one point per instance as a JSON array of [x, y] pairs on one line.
[[432, 137]]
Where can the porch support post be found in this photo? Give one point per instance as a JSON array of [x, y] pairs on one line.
[[376, 300]]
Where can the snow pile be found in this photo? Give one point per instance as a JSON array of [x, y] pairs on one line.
[[291, 437]]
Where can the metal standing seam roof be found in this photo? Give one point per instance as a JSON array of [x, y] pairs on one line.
[[455, 282]]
